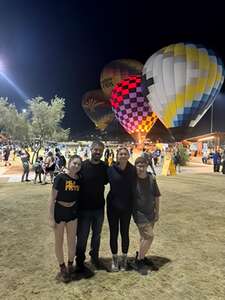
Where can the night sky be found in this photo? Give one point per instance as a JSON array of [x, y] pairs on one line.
[[60, 47]]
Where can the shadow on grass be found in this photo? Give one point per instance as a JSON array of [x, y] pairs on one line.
[[158, 261], [155, 263], [86, 274]]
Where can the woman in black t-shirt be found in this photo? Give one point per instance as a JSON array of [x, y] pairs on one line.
[[122, 179], [63, 214]]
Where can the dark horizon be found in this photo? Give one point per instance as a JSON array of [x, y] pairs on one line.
[[60, 48]]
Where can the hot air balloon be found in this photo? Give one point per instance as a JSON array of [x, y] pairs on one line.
[[98, 108], [117, 70], [181, 82], [131, 108]]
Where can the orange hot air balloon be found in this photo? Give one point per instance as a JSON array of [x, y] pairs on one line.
[[98, 108], [117, 70]]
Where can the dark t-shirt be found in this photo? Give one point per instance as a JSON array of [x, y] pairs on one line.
[[68, 188], [122, 187], [93, 181], [144, 204]]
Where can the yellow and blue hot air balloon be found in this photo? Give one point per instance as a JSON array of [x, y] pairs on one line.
[[181, 82]]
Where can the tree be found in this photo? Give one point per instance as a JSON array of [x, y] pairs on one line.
[[46, 119], [12, 123], [5, 119], [40, 124], [184, 157]]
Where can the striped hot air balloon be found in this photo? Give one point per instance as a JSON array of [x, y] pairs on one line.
[[131, 108], [181, 82]]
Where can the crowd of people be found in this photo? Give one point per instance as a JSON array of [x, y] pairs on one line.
[[77, 205], [52, 161], [217, 157]]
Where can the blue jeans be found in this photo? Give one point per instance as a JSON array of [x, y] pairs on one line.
[[89, 219]]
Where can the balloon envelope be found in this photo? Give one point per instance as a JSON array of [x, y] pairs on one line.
[[98, 108], [181, 82], [117, 70], [131, 107]]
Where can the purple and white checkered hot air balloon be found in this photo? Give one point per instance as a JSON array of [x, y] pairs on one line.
[[131, 108]]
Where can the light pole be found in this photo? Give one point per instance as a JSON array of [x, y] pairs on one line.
[[211, 125]]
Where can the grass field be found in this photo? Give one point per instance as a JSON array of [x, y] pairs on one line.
[[189, 246]]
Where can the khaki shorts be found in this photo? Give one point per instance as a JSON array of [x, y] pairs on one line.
[[146, 230]]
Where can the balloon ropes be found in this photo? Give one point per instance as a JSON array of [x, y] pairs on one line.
[[131, 108], [181, 82], [117, 70], [98, 108]]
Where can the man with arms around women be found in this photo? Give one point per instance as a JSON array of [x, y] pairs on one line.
[[124, 199]]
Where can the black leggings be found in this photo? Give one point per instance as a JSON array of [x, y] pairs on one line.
[[118, 219]]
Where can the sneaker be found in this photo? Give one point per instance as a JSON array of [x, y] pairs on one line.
[[150, 263], [71, 271], [80, 268], [141, 268], [63, 276], [123, 264], [115, 263]]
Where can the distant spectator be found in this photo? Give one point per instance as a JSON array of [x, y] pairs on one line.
[[106, 155], [216, 161], [49, 166], [223, 162], [25, 158], [177, 160], [59, 159], [38, 169], [204, 156], [155, 158], [148, 156], [111, 157], [6, 154]]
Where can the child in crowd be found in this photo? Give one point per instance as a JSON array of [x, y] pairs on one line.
[[38, 169]]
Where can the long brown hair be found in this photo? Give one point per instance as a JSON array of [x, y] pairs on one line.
[[120, 149]]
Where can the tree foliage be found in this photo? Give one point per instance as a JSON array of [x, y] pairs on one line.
[[46, 118], [13, 123], [183, 155], [42, 122]]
